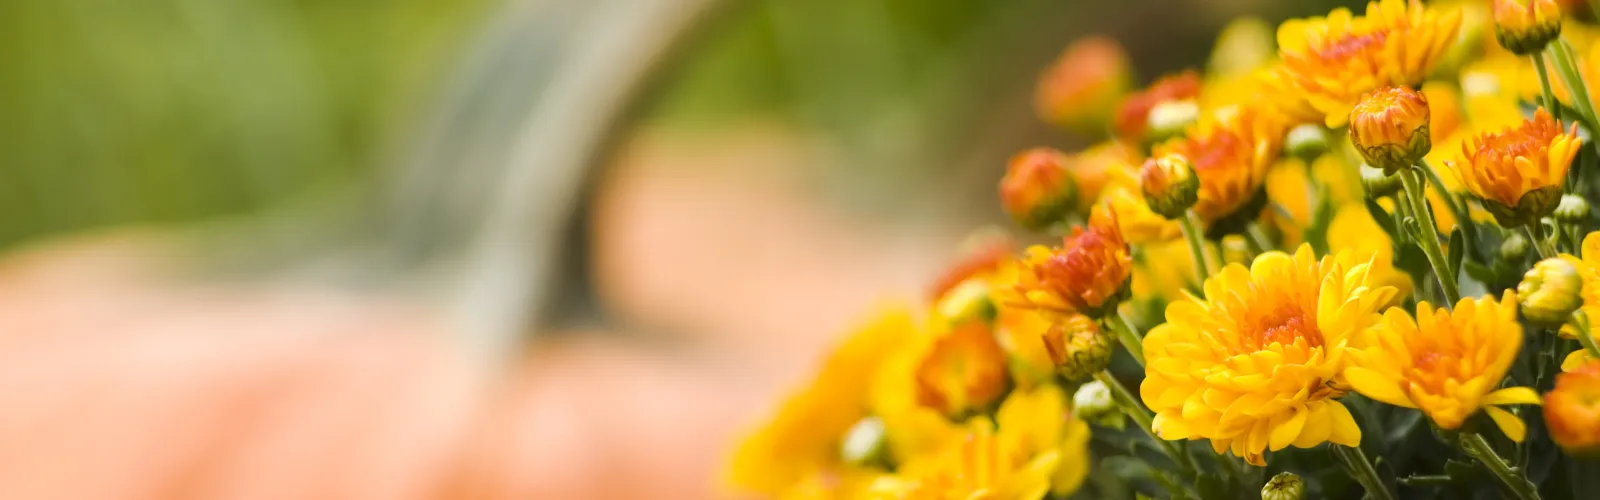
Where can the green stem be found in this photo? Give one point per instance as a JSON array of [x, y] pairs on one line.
[[1364, 473], [1535, 232], [1474, 445], [1190, 223], [1550, 101], [1127, 335], [1428, 235], [1141, 416]]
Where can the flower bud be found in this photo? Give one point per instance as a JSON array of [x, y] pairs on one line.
[[1038, 190], [1307, 141], [1078, 348], [1514, 248], [866, 443], [1526, 26], [966, 302], [1170, 119], [1377, 183], [1550, 292], [1170, 185], [1572, 411], [1081, 89], [1572, 209], [1094, 404], [1235, 250], [1284, 486], [1389, 127]]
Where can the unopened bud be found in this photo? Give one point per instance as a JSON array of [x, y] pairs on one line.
[[1377, 183], [1094, 404], [1514, 248], [1572, 209], [1077, 347], [1170, 185], [1389, 127], [1307, 141], [866, 443], [1526, 26], [1038, 189], [1284, 486], [1235, 250], [1170, 119], [1550, 292]]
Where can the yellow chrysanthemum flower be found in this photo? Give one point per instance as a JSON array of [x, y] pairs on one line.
[[1031, 448], [803, 437], [1255, 364], [1518, 172], [1333, 60], [1447, 363]]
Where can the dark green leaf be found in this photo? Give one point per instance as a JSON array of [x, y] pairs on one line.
[[1480, 272], [1458, 250]]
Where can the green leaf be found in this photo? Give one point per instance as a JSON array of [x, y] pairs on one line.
[[1383, 219], [1480, 272], [1458, 251]]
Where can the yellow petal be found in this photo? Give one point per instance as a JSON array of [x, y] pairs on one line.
[[1509, 424], [1575, 359], [1344, 431], [1285, 434], [1373, 385], [1512, 396]]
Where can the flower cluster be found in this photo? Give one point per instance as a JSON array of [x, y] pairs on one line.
[[1368, 235]]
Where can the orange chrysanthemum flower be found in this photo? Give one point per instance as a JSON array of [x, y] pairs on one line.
[[1080, 88], [1334, 60], [1231, 154], [1088, 274], [1134, 112], [1572, 410], [1518, 172], [1255, 365], [1447, 363]]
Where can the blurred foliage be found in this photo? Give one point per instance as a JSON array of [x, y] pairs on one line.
[[171, 110], [905, 87]]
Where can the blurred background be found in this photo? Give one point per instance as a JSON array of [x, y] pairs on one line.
[[478, 248]]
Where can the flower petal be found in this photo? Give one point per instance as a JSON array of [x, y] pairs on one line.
[[1373, 385], [1508, 423], [1512, 396]]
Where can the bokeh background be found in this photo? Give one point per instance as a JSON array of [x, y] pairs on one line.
[[478, 248]]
